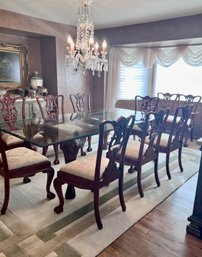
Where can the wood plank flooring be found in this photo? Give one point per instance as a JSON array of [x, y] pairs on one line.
[[162, 232]]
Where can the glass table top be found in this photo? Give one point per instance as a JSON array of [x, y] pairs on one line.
[[74, 126]]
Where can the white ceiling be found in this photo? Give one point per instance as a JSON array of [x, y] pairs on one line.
[[106, 13]]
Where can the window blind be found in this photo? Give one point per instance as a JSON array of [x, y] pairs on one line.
[[133, 80]]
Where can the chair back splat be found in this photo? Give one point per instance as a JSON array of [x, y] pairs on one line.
[[116, 147], [190, 100], [52, 109], [168, 101], [81, 103], [12, 110], [97, 170], [146, 104]]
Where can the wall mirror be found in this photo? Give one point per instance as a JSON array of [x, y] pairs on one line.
[[13, 66]]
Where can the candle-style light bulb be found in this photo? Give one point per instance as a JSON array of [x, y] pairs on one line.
[[69, 39], [72, 46], [104, 46]]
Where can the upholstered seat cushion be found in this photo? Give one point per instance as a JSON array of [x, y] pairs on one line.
[[164, 140], [137, 128], [132, 149], [22, 157], [11, 140], [171, 117], [85, 167]]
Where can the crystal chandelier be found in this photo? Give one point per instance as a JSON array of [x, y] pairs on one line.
[[86, 52]]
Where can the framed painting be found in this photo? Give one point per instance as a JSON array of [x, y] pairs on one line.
[[13, 66]]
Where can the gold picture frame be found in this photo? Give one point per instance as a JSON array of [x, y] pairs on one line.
[[13, 66]]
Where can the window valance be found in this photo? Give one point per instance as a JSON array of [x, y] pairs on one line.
[[164, 56]]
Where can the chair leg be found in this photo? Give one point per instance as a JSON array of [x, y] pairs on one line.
[[89, 149], [180, 158], [6, 195], [96, 209], [82, 151], [50, 175], [26, 180], [57, 183], [187, 134], [156, 172], [45, 149], [131, 170], [139, 183], [56, 161], [192, 134], [121, 197], [167, 165], [82, 143]]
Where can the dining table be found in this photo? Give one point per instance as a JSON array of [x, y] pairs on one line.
[[69, 131]]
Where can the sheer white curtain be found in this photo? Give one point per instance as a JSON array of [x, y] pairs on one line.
[[164, 56]]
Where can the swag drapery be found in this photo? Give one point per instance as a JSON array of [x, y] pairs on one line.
[[164, 56]]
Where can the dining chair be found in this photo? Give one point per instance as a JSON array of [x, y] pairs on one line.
[[173, 140], [144, 148], [81, 103], [22, 162], [95, 171], [144, 105], [194, 102], [52, 109], [12, 110]]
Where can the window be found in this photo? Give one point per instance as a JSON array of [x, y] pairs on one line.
[[179, 78], [133, 80]]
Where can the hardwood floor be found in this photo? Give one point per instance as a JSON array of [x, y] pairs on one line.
[[162, 232]]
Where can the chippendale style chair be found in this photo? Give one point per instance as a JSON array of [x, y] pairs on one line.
[[145, 149], [22, 162], [144, 104], [96, 171], [191, 101], [52, 109], [81, 103], [173, 140]]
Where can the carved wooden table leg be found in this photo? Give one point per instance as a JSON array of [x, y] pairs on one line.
[[195, 226]]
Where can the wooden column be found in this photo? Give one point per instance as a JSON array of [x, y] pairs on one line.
[[195, 226]]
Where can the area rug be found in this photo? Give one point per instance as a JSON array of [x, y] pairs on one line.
[[31, 228]]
